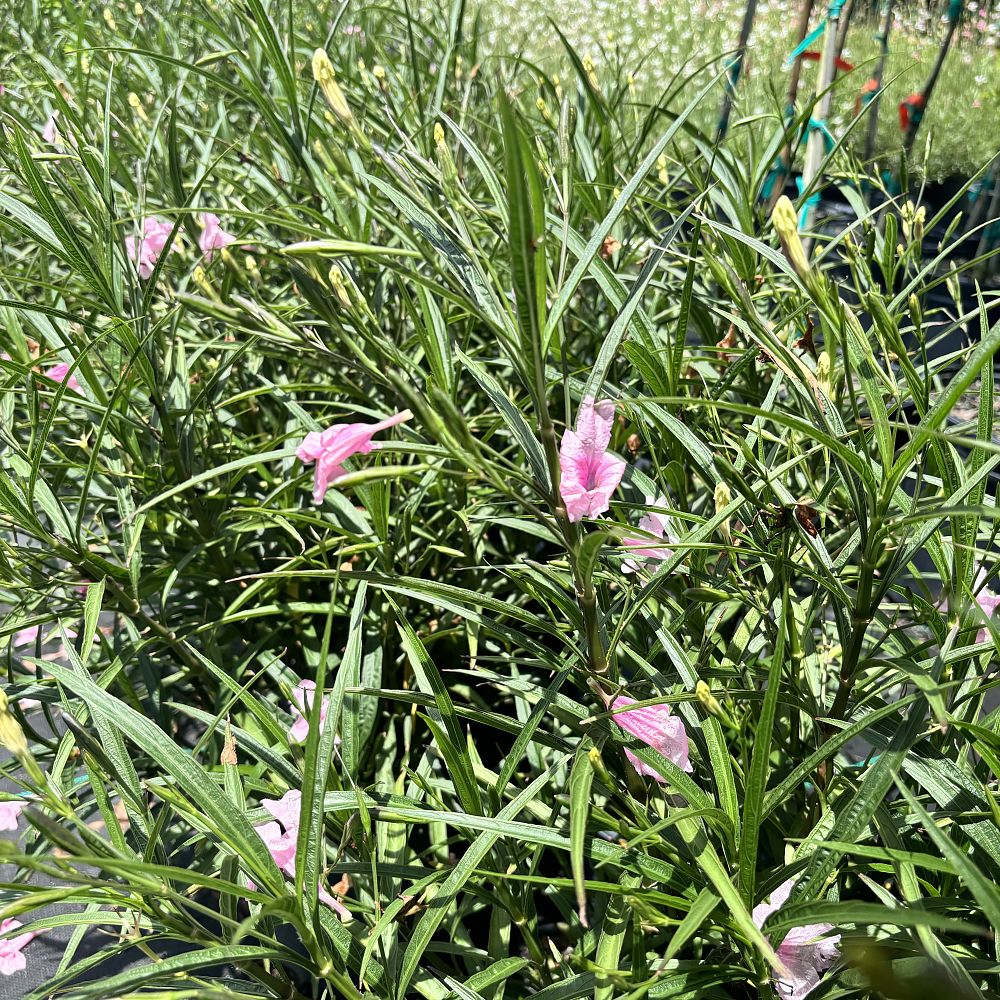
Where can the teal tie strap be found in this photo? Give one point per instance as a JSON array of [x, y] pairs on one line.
[[954, 10], [774, 176], [810, 203], [833, 11], [818, 125], [813, 36]]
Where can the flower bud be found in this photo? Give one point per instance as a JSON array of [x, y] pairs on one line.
[[339, 286], [824, 373], [704, 694], [136, 105], [723, 498], [786, 225], [661, 168], [597, 763], [445, 162], [12, 736], [324, 76]]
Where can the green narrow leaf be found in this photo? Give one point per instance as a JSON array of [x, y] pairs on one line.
[[581, 779]]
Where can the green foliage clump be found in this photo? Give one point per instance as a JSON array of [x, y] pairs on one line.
[[412, 230]]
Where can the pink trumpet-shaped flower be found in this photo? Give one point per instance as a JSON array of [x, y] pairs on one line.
[[11, 959], [282, 845], [589, 473], [301, 706], [60, 373], [804, 958], [147, 251], [50, 131], [655, 525], [657, 727], [213, 236], [10, 812], [329, 449]]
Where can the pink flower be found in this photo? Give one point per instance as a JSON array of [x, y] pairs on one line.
[[589, 473], [9, 814], [282, 845], [50, 131], [213, 236], [329, 449], [988, 602], [805, 959], [25, 636], [11, 959], [60, 373], [146, 253], [655, 525], [657, 727], [301, 706]]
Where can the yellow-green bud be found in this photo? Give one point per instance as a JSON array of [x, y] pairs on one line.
[[723, 498], [339, 286], [136, 105], [597, 763], [12, 736], [705, 696], [324, 76], [786, 225]]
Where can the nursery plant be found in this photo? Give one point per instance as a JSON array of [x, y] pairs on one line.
[[457, 541]]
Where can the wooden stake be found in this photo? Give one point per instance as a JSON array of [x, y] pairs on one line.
[[785, 165], [736, 69], [845, 22], [954, 16], [883, 40], [815, 145]]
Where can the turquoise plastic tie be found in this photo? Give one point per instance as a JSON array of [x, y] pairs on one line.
[[833, 11], [818, 125], [806, 42], [811, 202]]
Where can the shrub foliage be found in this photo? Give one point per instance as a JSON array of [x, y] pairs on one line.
[[797, 560]]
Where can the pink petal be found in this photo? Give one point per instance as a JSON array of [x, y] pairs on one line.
[[329, 449], [25, 636], [11, 959], [657, 727], [342, 911], [11, 962], [286, 810], [213, 236], [773, 903], [804, 958], [50, 132], [145, 254], [594, 423], [10, 812], [299, 731], [60, 373], [656, 525], [589, 474]]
